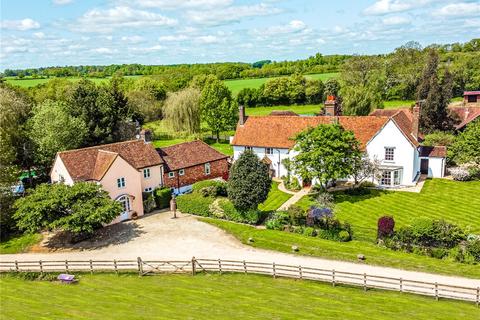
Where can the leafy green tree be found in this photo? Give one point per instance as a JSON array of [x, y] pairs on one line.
[[466, 148], [296, 89], [332, 88], [218, 109], [249, 182], [182, 110], [145, 105], [325, 153], [276, 91], [153, 87], [78, 209], [314, 91], [439, 138], [248, 97], [435, 95], [53, 129], [361, 82]]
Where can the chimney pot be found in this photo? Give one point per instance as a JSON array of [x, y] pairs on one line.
[[241, 115]]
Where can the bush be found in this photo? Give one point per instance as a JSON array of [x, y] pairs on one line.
[[359, 191], [278, 220], [309, 231], [297, 215], [233, 214], [148, 202], [293, 184], [194, 203], [436, 233], [344, 236], [473, 248], [367, 184], [162, 197], [214, 187], [460, 174], [385, 227]]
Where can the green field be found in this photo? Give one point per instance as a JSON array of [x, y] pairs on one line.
[[307, 109], [275, 198], [345, 251], [397, 104], [27, 83], [236, 85], [213, 296], [19, 244], [456, 202]]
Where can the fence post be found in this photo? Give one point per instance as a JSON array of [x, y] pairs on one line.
[[478, 296], [436, 291], [91, 266], [333, 278], [273, 268], [140, 266], [41, 266], [115, 265], [16, 265], [194, 271], [220, 266], [244, 267], [364, 282], [401, 285], [300, 272], [66, 265]]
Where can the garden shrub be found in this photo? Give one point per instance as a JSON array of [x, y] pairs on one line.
[[460, 174], [162, 197], [309, 231], [297, 215], [436, 233], [233, 214], [149, 203], [293, 184], [385, 227], [214, 187], [472, 247], [194, 203], [367, 184], [278, 220], [344, 236]]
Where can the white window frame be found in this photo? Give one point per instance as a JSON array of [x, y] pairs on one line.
[[181, 172], [121, 183], [171, 174], [384, 178], [125, 202], [268, 150], [389, 153], [149, 189], [207, 168], [248, 148], [397, 177], [146, 173]]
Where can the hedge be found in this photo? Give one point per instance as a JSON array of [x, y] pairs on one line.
[[231, 213], [162, 197], [194, 203]]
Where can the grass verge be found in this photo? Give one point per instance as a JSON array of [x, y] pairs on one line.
[[346, 251], [19, 244], [213, 296]]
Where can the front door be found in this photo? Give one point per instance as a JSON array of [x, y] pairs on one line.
[[424, 166], [125, 202]]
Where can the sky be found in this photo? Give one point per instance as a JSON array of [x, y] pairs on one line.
[[40, 33]]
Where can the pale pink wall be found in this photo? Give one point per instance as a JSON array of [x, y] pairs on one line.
[[155, 179], [133, 184], [58, 170]]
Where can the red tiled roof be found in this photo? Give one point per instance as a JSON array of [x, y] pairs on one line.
[[392, 112], [471, 93], [92, 163], [466, 115], [436, 151], [278, 132], [405, 125], [189, 154]]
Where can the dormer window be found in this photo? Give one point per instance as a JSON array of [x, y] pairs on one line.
[[121, 183], [389, 154]]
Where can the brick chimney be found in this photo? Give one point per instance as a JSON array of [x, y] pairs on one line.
[[145, 135], [331, 106], [241, 115], [416, 119]]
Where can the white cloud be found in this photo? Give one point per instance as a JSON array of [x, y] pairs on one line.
[[147, 49], [173, 38], [382, 7], [230, 14], [103, 50], [294, 26], [208, 39], [395, 20], [132, 39], [97, 20], [22, 25], [462, 9], [62, 2], [39, 35], [168, 4]]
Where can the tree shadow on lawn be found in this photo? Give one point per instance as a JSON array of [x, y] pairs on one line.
[[110, 235], [343, 196]]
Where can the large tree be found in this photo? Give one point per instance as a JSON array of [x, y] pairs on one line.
[[78, 209], [53, 129], [182, 111], [466, 148], [435, 95], [249, 182], [361, 80], [325, 153], [218, 109]]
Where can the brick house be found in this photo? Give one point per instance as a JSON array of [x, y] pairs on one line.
[[127, 169], [190, 162]]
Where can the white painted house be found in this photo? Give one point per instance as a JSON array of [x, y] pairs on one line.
[[391, 139]]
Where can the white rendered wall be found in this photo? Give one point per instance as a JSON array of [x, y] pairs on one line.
[[276, 158], [436, 167]]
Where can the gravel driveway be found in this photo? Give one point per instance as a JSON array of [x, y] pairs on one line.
[[157, 236]]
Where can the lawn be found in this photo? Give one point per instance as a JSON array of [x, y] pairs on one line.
[[213, 296], [275, 198], [345, 251], [236, 85], [20, 243], [456, 202], [307, 109], [26, 82], [397, 104]]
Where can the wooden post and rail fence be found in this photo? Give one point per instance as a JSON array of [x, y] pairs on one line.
[[194, 266]]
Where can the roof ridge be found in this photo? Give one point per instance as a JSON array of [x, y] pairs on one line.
[[102, 145]]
